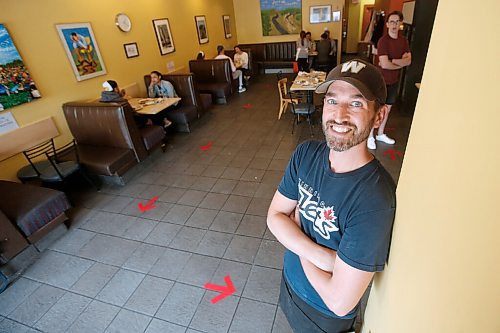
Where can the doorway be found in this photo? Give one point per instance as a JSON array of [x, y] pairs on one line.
[[367, 17]]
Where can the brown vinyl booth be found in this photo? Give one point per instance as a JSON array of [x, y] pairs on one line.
[[213, 76], [108, 140], [27, 213], [191, 106], [278, 55]]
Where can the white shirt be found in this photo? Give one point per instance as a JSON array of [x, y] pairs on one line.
[[241, 59], [223, 56]]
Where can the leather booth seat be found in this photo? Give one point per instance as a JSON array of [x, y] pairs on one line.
[[213, 77], [277, 55], [108, 140], [27, 213], [190, 107]]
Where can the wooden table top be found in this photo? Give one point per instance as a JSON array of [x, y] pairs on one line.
[[308, 81], [152, 105]]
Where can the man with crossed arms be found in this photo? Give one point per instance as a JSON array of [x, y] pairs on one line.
[[335, 206]]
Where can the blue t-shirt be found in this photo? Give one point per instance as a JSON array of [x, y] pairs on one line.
[[351, 213]]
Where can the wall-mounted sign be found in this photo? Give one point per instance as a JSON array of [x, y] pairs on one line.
[[7, 122]]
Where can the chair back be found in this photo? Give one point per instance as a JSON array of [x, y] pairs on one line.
[[282, 88], [53, 155], [43, 148]]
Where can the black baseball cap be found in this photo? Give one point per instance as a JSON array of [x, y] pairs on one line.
[[361, 74]]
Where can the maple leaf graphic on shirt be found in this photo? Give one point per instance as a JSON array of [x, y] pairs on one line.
[[325, 222], [328, 214]]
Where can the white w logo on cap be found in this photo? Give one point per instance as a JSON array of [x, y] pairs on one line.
[[353, 66]]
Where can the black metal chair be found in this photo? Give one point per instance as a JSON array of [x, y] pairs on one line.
[[58, 167], [301, 109]]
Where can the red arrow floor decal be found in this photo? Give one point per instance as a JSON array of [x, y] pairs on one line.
[[392, 153], [207, 146], [150, 205], [247, 106], [225, 291]]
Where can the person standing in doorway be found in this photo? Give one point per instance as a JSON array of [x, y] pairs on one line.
[[335, 207], [393, 54]]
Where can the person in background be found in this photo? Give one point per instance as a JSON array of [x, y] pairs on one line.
[[159, 88], [309, 38], [200, 55], [334, 208], [113, 94], [312, 48], [237, 74], [324, 59], [241, 61], [393, 54], [302, 54], [333, 46]]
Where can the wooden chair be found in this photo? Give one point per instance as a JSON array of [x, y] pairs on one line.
[[284, 98]]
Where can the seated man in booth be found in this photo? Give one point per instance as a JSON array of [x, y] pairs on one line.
[[237, 74]]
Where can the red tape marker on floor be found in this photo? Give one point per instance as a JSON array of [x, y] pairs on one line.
[[207, 146], [225, 291]]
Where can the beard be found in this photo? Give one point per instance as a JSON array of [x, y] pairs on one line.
[[342, 144]]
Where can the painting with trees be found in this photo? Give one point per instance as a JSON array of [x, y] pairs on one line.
[[281, 17]]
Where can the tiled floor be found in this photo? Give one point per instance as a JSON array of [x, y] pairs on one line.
[[120, 270]]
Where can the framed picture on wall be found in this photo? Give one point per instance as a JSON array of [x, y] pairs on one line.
[[320, 14], [336, 16], [131, 50], [227, 26], [81, 48], [16, 82], [201, 28], [164, 36]]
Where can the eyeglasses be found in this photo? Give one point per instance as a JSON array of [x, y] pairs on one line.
[[394, 22]]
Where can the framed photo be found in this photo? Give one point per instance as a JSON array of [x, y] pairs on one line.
[[131, 50], [227, 26], [336, 16], [164, 36], [320, 14], [201, 28], [81, 48]]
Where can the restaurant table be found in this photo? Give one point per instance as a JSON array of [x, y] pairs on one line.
[[308, 82], [152, 105]]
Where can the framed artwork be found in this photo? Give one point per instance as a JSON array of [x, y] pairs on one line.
[[164, 36], [282, 17], [131, 50], [320, 14], [227, 26], [16, 84], [201, 28], [81, 48], [336, 16]]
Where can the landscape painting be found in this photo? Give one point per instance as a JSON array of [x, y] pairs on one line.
[[281, 17], [16, 84]]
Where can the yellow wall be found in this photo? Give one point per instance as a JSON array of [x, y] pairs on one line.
[[355, 24], [31, 25], [443, 273], [249, 23]]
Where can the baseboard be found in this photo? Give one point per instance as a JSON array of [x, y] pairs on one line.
[[277, 70]]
